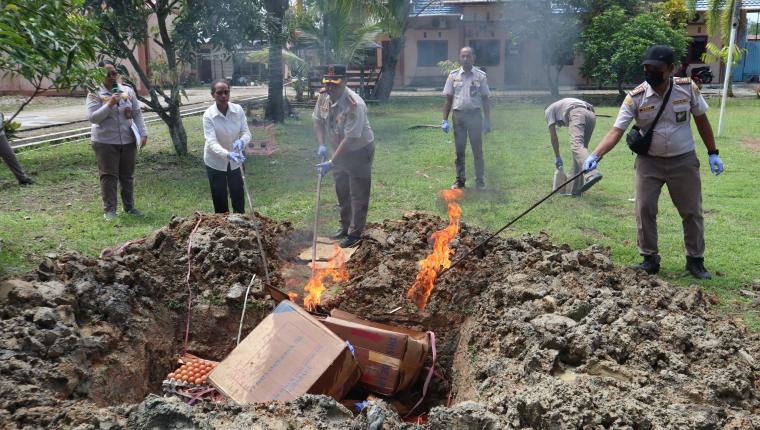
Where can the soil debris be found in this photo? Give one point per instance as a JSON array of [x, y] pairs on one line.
[[529, 335]]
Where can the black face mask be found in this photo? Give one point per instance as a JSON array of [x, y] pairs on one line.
[[654, 78]]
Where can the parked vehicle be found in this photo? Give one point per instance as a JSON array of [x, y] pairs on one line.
[[701, 75]]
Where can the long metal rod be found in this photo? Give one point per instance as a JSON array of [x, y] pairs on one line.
[[481, 244], [316, 221], [245, 302], [255, 223]]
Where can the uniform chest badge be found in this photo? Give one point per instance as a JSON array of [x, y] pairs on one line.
[[681, 101], [681, 116], [646, 108]]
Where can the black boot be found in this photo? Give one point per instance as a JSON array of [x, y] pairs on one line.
[[339, 234], [696, 266], [651, 264]]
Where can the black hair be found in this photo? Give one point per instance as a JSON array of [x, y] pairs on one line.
[[472, 51], [219, 81], [103, 63]]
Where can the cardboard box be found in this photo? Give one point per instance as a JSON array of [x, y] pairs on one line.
[[289, 354], [390, 358]]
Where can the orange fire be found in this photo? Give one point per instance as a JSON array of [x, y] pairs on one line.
[[439, 258], [335, 268], [292, 296]]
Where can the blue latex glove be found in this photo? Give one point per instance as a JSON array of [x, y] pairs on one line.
[[716, 165], [236, 157], [486, 126], [591, 162], [558, 163], [238, 145], [323, 168], [445, 125], [322, 151]]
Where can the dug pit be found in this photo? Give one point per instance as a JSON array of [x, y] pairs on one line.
[[528, 334]]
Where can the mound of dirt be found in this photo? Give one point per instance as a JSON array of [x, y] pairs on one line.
[[82, 333], [528, 335]]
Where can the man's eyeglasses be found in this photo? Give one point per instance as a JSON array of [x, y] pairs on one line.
[[112, 73]]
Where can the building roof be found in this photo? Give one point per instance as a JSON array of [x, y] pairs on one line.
[[746, 4], [434, 8]]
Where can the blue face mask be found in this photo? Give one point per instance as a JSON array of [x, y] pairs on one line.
[[654, 77]]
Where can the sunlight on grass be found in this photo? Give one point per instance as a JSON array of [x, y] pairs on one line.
[[62, 212]]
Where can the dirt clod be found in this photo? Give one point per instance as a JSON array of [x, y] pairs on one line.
[[528, 335]]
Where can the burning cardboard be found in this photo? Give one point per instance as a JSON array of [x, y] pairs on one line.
[[390, 358], [289, 354]]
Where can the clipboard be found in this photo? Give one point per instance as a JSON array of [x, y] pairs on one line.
[[136, 132]]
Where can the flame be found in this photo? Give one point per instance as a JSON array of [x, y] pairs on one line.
[[335, 268], [292, 295], [439, 258]]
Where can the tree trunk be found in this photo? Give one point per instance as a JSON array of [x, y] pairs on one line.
[[177, 131], [275, 106], [275, 111], [384, 84]]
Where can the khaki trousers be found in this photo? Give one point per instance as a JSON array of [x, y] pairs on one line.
[[116, 165], [469, 123], [7, 154], [681, 175], [353, 181], [581, 126]]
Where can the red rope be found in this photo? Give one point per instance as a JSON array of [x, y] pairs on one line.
[[187, 280], [429, 375]]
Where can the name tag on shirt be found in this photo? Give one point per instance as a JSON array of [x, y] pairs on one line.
[[646, 108]]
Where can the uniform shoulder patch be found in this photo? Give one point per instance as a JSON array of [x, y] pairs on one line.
[[683, 81], [636, 91]]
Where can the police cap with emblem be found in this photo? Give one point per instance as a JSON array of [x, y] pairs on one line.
[[334, 74], [659, 55]]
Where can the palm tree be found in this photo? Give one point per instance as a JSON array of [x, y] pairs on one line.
[[393, 16], [339, 29], [719, 18], [275, 29]]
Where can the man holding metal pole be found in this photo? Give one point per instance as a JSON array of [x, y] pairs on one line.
[[580, 119], [466, 91], [667, 155], [341, 116]]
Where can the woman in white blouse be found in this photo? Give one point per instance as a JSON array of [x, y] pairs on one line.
[[226, 131]]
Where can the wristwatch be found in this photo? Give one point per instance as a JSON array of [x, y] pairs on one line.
[[715, 152]]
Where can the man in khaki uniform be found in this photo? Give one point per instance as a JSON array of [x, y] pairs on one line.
[[580, 120], [341, 116], [467, 92], [672, 157]]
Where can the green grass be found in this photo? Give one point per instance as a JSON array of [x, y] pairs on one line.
[[62, 212]]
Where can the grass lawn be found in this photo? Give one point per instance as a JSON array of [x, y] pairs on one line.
[[62, 212]]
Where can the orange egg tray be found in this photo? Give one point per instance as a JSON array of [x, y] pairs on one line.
[[193, 371]]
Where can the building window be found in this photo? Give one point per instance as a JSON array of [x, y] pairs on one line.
[[430, 52], [753, 26], [697, 47], [486, 51]]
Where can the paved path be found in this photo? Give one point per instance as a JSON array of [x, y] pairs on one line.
[[58, 115], [52, 115], [740, 90]]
